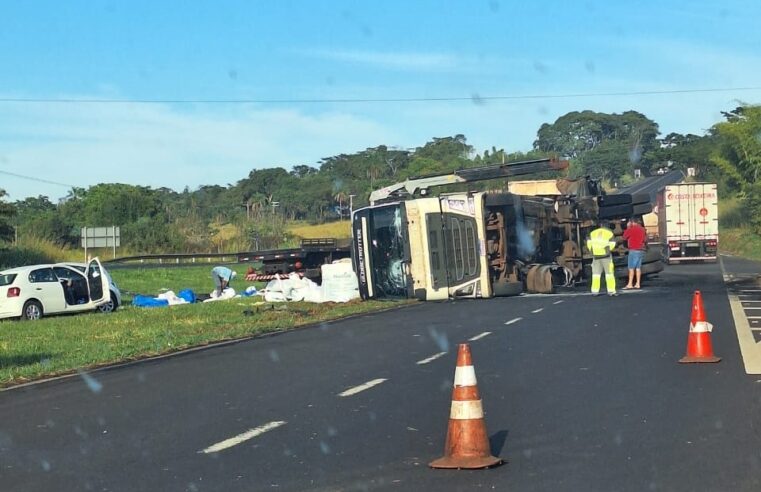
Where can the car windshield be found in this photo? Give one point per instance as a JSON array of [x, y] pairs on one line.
[[7, 278]]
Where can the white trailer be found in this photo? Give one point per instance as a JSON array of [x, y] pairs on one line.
[[688, 221]]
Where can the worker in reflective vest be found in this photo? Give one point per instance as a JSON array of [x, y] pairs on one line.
[[600, 244]]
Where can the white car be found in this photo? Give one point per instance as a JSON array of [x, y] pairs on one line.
[[116, 295], [32, 291]]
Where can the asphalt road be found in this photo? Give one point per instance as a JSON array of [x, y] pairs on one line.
[[580, 393]]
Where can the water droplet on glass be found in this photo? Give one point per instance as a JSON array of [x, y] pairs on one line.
[[91, 382]]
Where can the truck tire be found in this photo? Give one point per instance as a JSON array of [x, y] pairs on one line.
[[642, 208], [638, 198], [611, 200], [615, 212], [651, 268], [505, 289]]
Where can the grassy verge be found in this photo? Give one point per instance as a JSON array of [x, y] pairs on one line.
[[740, 241], [64, 344], [338, 229], [152, 281]]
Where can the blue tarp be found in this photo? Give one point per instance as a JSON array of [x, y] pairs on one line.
[[188, 295], [145, 301]]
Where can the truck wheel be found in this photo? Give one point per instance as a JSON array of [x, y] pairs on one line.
[[505, 289], [642, 208], [638, 198], [652, 268], [615, 211], [611, 200]]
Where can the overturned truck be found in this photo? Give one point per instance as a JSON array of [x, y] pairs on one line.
[[479, 244]]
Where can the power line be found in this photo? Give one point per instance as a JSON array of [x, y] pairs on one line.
[[473, 98], [39, 180]]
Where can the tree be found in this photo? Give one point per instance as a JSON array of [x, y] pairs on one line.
[[738, 156], [7, 212], [601, 144]]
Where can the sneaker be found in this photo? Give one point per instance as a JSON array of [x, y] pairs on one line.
[[612, 294], [595, 294]]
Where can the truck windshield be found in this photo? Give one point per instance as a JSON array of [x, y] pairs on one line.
[[387, 251]]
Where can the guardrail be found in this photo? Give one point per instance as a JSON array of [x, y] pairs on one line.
[[186, 259]]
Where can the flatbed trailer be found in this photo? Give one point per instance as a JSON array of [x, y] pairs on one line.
[[306, 259]]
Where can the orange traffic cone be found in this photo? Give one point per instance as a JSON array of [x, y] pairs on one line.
[[699, 348], [467, 443]]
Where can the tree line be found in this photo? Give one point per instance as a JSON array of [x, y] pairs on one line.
[[252, 213]]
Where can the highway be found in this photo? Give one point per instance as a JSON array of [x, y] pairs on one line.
[[579, 392]]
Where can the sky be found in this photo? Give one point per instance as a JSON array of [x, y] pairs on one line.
[[186, 93]]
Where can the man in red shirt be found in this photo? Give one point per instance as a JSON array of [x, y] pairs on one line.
[[636, 238]]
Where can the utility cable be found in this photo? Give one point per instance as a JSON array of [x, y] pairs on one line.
[[474, 98]]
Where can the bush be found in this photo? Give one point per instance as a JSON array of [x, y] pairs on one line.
[[16, 257], [732, 213]]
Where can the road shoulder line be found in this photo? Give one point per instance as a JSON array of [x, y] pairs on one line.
[[749, 349]]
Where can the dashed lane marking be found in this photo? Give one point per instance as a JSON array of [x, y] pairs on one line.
[[479, 337], [249, 434], [431, 358], [749, 348], [362, 387], [514, 320], [537, 310]]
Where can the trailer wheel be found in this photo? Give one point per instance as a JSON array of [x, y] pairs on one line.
[[612, 200], [505, 289], [615, 211], [642, 208], [638, 198]]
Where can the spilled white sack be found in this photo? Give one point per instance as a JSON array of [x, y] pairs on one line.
[[339, 284]]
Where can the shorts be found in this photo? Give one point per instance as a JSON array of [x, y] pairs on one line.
[[635, 259]]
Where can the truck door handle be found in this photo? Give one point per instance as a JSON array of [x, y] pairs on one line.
[[38, 288]]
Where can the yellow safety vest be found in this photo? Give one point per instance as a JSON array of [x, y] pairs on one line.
[[601, 242]]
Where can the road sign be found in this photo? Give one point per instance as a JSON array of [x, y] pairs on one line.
[[101, 237]]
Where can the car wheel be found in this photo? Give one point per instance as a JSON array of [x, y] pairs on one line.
[[32, 310], [110, 306]]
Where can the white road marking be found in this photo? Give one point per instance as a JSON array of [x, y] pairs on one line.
[[749, 348], [249, 434], [749, 308], [751, 290], [558, 302], [514, 320], [753, 317], [537, 310], [479, 337], [430, 359], [362, 387]]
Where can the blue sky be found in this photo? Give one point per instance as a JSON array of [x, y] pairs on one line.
[[295, 51]]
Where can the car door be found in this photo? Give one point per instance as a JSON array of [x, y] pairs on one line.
[[97, 287], [47, 290], [74, 284], [97, 283]]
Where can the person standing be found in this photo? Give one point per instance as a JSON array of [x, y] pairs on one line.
[[636, 240], [221, 276], [600, 244]]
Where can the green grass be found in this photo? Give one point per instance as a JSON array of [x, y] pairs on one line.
[[152, 281], [740, 241], [735, 234], [64, 344]]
